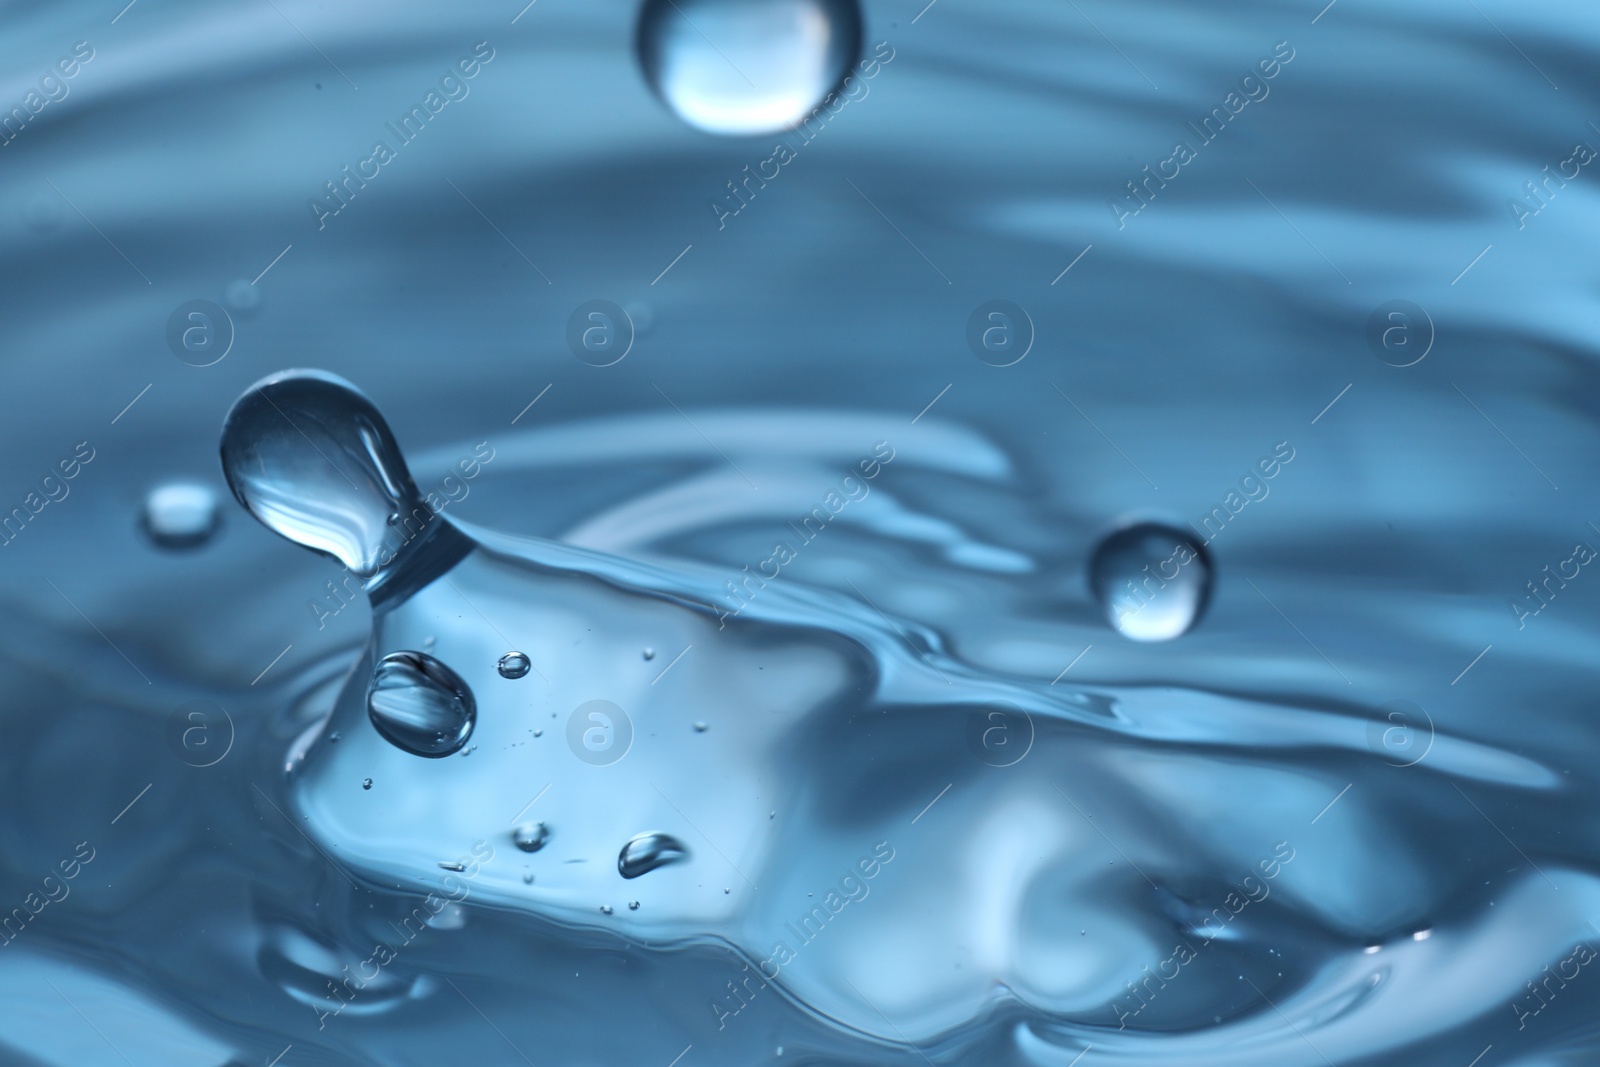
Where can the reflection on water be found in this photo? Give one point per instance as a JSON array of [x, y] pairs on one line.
[[772, 634]]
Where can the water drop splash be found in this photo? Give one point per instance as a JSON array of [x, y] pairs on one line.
[[309, 456], [420, 705], [741, 67], [531, 836], [646, 852], [514, 665], [1152, 581], [180, 515]]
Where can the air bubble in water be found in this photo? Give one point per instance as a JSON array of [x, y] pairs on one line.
[[420, 705], [514, 665], [740, 67], [646, 852], [180, 515], [530, 836], [1152, 581]]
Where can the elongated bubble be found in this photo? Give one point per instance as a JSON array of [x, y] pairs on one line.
[[309, 455]]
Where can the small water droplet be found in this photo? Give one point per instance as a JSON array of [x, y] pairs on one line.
[[605, 909], [530, 836], [452, 865], [538, 733], [740, 67], [314, 461], [645, 852], [633, 905], [528, 879], [420, 705], [649, 653], [180, 515], [699, 727], [242, 297], [1152, 581], [514, 665], [449, 917], [333, 738], [366, 783]]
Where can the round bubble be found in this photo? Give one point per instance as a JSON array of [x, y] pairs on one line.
[[743, 67], [514, 665], [1152, 581], [420, 705]]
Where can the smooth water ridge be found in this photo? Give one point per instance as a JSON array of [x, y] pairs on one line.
[[800, 532]]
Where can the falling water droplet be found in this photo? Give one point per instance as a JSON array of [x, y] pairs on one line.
[[514, 665], [309, 456], [180, 515], [366, 783], [605, 909], [527, 879], [633, 905], [700, 727], [1152, 581], [420, 705], [530, 836], [740, 67], [649, 653], [646, 852]]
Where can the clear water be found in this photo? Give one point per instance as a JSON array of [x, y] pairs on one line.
[[805, 576]]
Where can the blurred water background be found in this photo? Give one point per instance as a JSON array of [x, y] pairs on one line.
[[1372, 274]]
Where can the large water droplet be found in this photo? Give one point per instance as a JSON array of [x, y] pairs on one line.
[[420, 705], [1151, 580], [310, 456], [180, 515], [646, 852], [747, 66]]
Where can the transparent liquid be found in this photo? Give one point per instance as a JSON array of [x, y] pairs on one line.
[[930, 675]]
